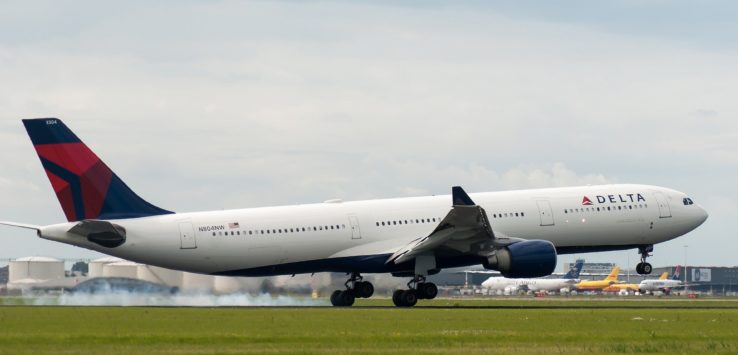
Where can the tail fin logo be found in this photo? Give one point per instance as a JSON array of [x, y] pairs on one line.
[[85, 186], [586, 201]]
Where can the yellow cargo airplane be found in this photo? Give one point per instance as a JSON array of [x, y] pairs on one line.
[[630, 287], [598, 285]]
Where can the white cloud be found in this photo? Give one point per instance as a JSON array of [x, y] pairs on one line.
[[249, 104]]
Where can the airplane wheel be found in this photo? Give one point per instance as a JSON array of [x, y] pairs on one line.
[[647, 268], [336, 298], [347, 298], [427, 290], [397, 298], [409, 298], [364, 289], [639, 268]]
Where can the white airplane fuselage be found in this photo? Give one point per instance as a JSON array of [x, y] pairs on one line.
[[658, 285], [359, 236], [532, 284]]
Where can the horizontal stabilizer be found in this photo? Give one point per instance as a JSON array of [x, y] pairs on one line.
[[20, 225]]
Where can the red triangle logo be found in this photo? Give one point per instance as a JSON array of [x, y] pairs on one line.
[[586, 201]]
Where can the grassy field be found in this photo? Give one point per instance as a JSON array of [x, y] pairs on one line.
[[505, 329]]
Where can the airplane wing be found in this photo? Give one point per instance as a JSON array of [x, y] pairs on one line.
[[464, 231]]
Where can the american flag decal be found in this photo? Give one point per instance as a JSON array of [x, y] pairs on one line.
[[233, 225]]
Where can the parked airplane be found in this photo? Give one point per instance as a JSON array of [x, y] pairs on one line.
[[662, 284], [600, 285], [520, 236], [535, 284], [630, 287]]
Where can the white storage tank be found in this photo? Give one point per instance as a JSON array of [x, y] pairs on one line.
[[35, 268], [127, 269], [160, 275], [95, 267]]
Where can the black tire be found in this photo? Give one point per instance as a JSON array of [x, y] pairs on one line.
[[430, 291], [639, 269], [336, 298], [397, 298], [409, 298], [364, 289], [347, 298], [647, 268]]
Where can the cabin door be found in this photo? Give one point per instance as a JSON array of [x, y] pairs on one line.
[[545, 213], [187, 236], [664, 209], [355, 230]]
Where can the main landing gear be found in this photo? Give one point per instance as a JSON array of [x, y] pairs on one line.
[[355, 288], [644, 268], [418, 289]]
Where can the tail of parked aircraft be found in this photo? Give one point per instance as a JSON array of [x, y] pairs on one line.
[[677, 273], [664, 276], [85, 186], [613, 274], [574, 272]]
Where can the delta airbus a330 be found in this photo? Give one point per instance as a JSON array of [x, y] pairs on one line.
[[518, 233]]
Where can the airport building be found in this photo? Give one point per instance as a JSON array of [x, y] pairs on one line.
[[43, 274]]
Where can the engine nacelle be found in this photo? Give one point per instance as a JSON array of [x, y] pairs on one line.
[[531, 258]]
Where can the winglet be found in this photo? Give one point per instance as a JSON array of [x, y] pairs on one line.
[[460, 198]]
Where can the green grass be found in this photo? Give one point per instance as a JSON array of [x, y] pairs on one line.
[[57, 330]]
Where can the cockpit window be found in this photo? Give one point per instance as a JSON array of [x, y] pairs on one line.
[[687, 201]]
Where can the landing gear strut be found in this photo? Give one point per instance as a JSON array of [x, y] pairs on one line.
[[355, 288], [418, 289], [643, 267]]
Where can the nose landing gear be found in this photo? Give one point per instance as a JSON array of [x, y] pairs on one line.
[[644, 268], [418, 289], [355, 288]]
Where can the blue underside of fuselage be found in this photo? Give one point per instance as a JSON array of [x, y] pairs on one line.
[[372, 264]]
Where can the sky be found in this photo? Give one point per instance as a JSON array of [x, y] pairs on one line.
[[208, 105]]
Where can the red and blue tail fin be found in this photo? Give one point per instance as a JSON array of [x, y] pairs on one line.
[[677, 273], [85, 186]]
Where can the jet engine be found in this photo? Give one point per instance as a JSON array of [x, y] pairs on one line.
[[530, 258]]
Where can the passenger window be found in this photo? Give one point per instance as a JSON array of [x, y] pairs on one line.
[[213, 234], [522, 214], [608, 208], [516, 214]]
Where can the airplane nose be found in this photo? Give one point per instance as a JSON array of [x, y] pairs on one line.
[[701, 216]]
